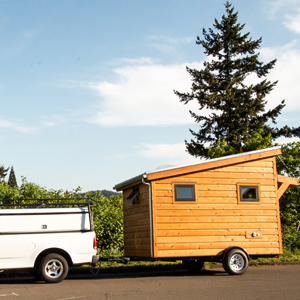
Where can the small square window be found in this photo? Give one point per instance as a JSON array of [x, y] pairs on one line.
[[248, 193], [184, 192]]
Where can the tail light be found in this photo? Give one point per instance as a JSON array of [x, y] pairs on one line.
[[95, 243]]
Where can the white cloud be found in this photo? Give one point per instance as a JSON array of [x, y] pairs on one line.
[[288, 10], [54, 120], [14, 125], [132, 61], [283, 140], [143, 95], [286, 71], [165, 39], [168, 45], [278, 6], [292, 21], [172, 154]]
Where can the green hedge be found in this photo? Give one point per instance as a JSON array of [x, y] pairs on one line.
[[108, 222], [107, 212]]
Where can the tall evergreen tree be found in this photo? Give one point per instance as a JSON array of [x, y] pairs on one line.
[[3, 173], [237, 111], [12, 181]]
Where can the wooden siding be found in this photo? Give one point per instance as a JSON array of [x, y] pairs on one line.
[[216, 220], [136, 224], [213, 164]]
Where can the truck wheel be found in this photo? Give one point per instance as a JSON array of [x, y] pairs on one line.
[[235, 262], [193, 266], [53, 268]]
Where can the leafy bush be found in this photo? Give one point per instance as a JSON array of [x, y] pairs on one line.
[[30, 190], [291, 238], [290, 200], [107, 212], [108, 222]]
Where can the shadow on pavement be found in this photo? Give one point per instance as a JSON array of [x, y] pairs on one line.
[[84, 274]]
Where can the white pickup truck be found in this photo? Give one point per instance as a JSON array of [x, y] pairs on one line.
[[47, 240]]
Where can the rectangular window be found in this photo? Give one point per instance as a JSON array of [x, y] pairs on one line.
[[184, 192], [248, 193], [134, 195]]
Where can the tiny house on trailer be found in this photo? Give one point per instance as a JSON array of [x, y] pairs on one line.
[[224, 209]]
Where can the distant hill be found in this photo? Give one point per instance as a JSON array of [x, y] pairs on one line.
[[105, 193]]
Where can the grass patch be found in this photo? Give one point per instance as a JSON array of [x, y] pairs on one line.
[[133, 266], [148, 266], [287, 256]]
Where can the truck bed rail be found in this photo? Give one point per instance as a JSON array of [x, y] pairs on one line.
[[42, 203]]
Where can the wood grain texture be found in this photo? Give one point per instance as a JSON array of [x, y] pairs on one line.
[[212, 252], [217, 245], [154, 222], [215, 212], [214, 164], [216, 239], [210, 232], [191, 226], [215, 220], [136, 219]]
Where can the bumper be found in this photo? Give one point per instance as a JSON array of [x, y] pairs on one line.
[[95, 259]]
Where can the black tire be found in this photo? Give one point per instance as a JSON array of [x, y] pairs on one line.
[[53, 268], [193, 266], [236, 262]]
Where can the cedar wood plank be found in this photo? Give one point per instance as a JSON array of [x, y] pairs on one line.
[[212, 165]]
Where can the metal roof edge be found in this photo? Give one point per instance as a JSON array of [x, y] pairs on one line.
[[129, 181], [215, 159]]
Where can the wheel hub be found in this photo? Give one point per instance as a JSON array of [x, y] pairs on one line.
[[54, 268], [237, 262]]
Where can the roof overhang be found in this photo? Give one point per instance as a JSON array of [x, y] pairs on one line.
[[200, 166], [129, 182]]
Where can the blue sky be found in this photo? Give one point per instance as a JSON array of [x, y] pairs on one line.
[[86, 87]]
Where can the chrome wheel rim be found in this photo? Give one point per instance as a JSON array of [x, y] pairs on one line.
[[237, 262], [54, 268]]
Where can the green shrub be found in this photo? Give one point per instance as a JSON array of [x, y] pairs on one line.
[[107, 212], [108, 222]]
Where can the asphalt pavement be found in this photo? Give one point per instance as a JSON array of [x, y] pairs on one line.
[[267, 282]]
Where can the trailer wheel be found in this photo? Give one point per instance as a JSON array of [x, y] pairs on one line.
[[193, 266], [235, 262], [53, 268]]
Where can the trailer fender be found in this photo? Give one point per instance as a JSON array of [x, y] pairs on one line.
[[234, 247]]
